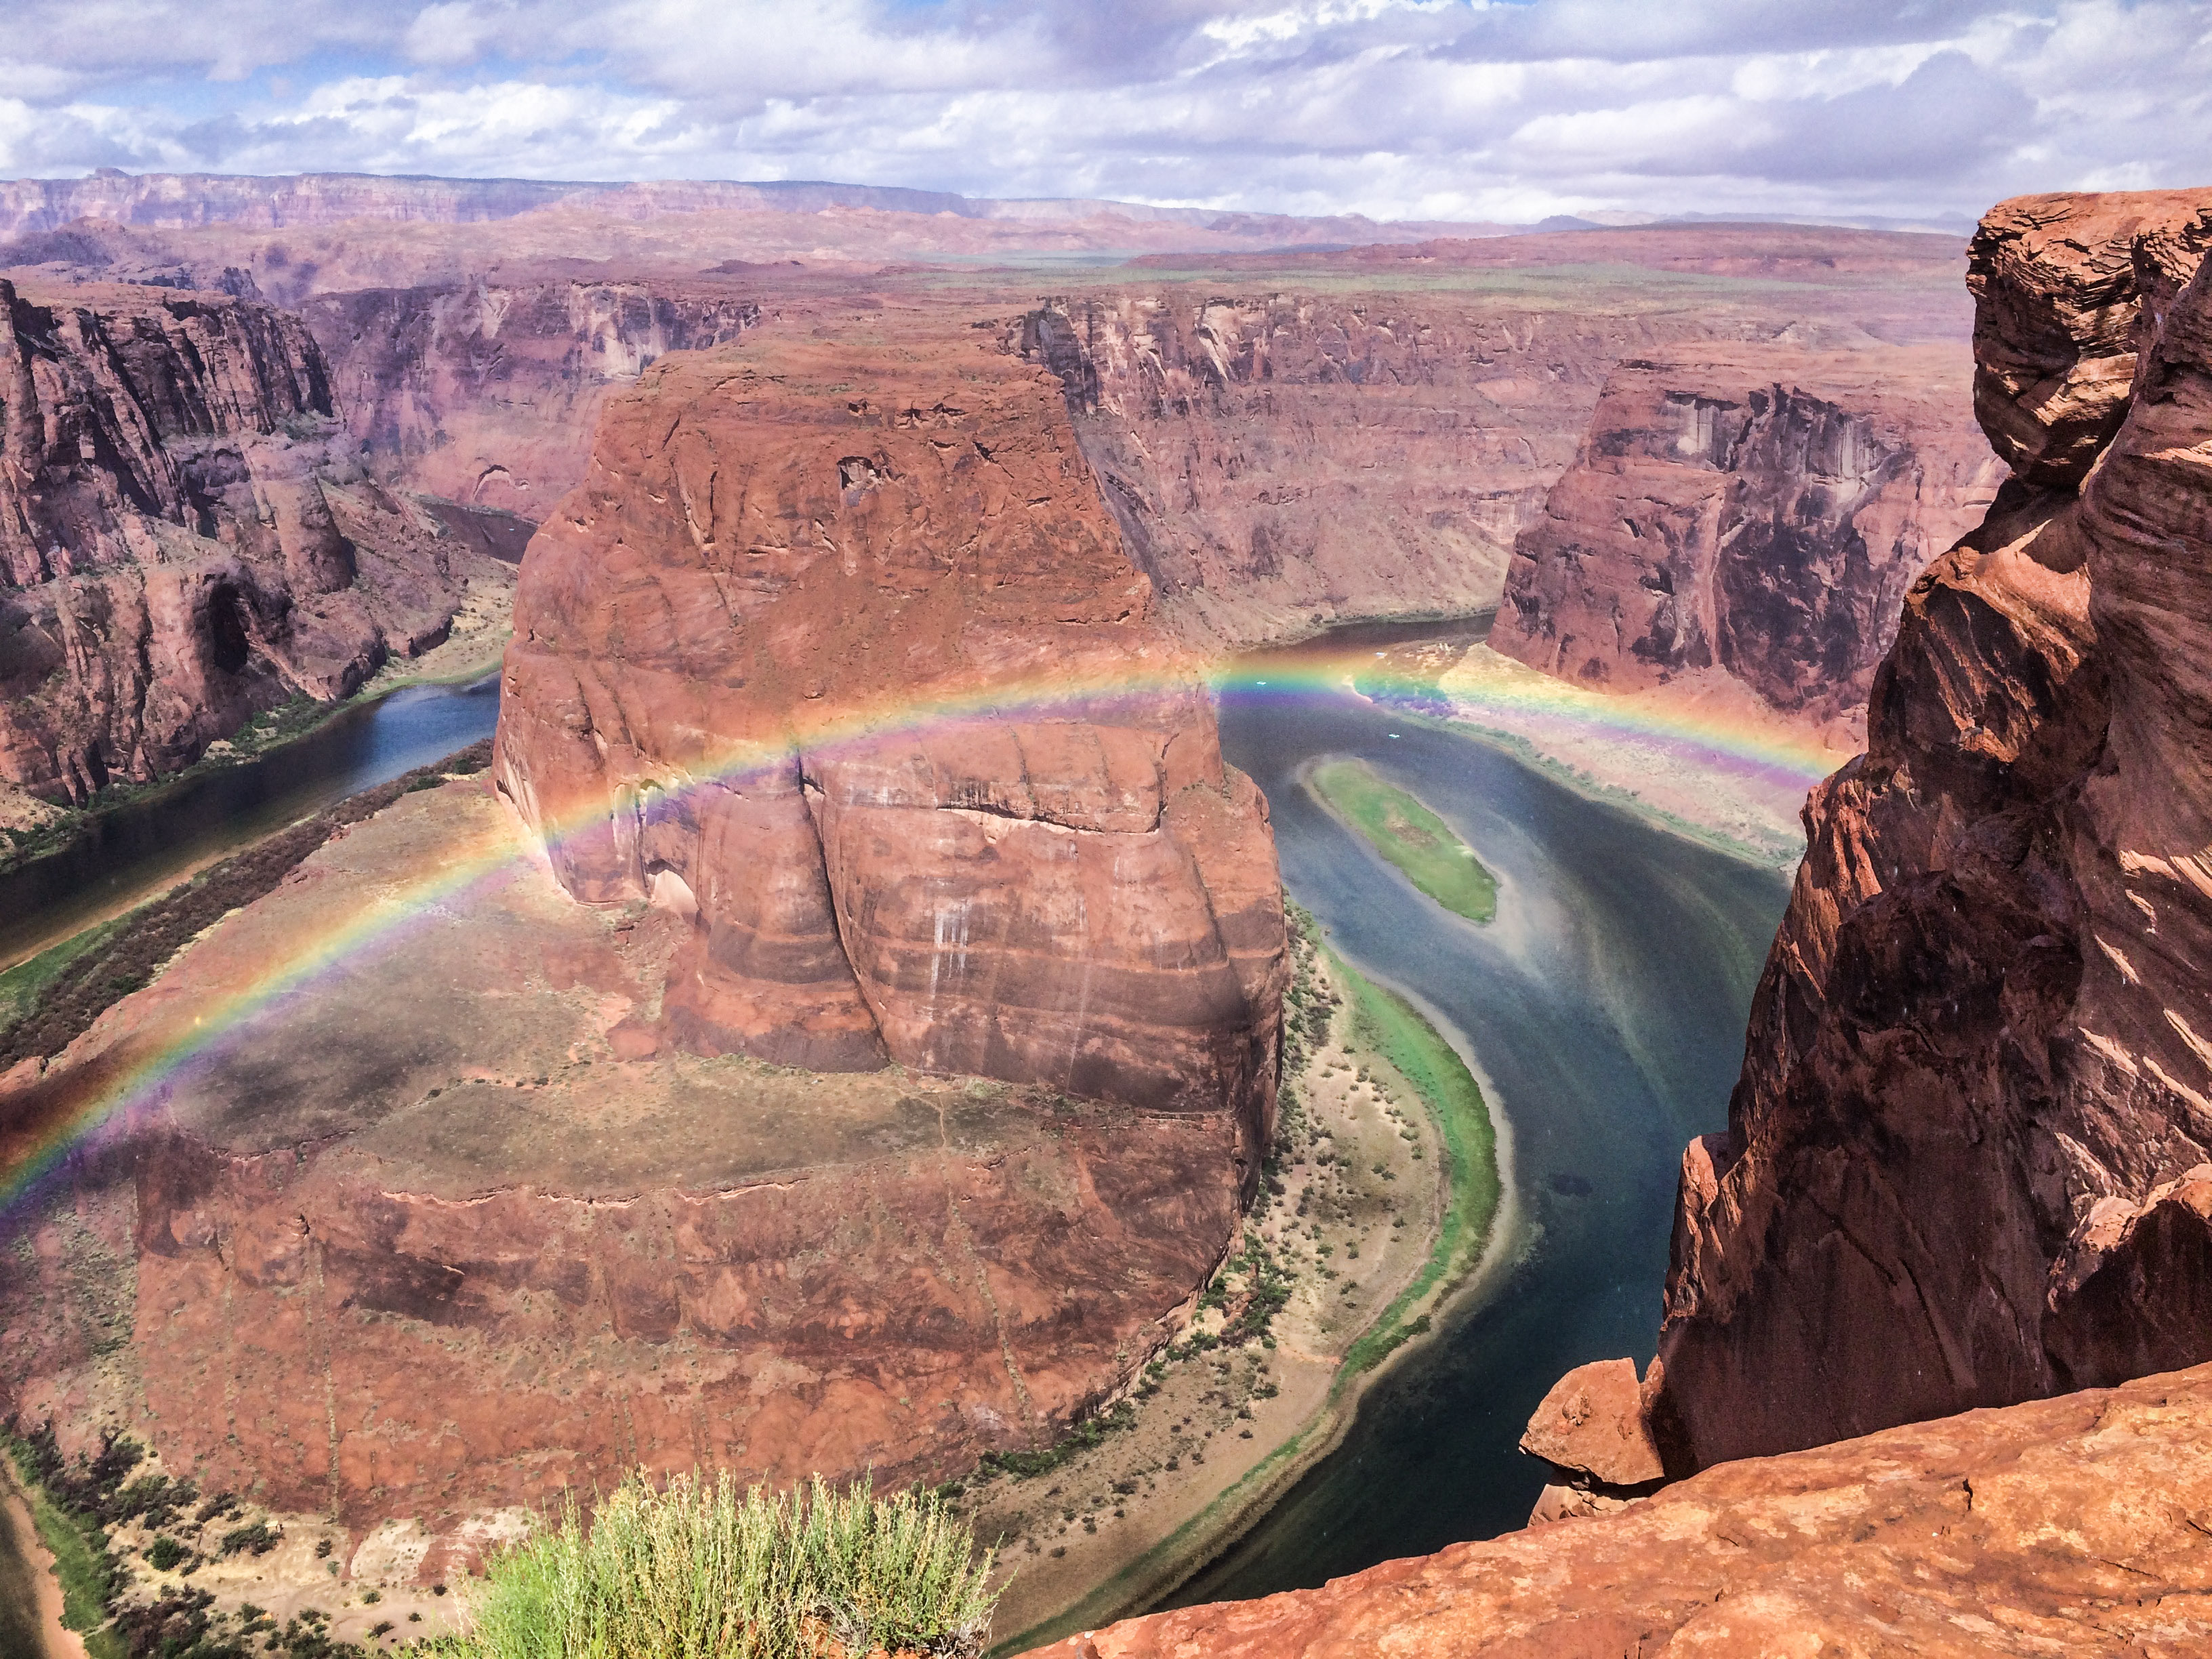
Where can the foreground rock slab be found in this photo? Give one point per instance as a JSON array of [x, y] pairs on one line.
[[2068, 1525]]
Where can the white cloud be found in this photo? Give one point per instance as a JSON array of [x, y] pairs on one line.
[[1423, 109]]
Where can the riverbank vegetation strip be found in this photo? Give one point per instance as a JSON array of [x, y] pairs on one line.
[[1380, 1022], [81, 1562], [1387, 1023], [1402, 826]]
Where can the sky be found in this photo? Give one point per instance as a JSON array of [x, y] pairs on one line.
[[1420, 109]]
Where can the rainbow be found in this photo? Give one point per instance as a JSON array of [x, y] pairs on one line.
[[111, 1092]]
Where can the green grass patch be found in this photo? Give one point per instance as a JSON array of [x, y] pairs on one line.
[[80, 1562], [22, 986], [1403, 829], [694, 1570], [1385, 1022]]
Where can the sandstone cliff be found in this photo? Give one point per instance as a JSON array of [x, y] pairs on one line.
[[1756, 511], [185, 536], [2061, 1526], [1969, 1158], [836, 648], [487, 392], [432, 1239]]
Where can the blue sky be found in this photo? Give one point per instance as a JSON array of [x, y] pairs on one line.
[[1396, 108]]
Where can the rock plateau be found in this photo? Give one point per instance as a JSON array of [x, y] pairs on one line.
[[784, 551], [2066, 1525]]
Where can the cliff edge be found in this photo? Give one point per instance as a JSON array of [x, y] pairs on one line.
[[1969, 1158]]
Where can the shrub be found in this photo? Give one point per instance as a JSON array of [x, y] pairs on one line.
[[708, 1572], [165, 1552]]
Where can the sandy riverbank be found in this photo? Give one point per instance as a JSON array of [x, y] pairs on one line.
[[1364, 1240]]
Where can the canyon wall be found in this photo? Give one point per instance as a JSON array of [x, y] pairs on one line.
[[837, 650], [2063, 1526], [1969, 1158], [1280, 462], [1756, 511], [185, 535], [487, 392]]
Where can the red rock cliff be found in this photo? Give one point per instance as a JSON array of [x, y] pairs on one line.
[[1759, 511], [182, 528], [781, 551], [1969, 1158], [487, 392]]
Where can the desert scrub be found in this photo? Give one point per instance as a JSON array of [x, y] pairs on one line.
[[700, 1572]]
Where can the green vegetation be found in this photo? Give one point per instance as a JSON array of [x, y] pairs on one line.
[[79, 1547], [700, 1572], [22, 985], [1411, 836], [1385, 1022]]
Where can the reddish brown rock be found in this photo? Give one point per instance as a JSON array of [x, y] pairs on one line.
[[432, 1239], [487, 392], [1963, 1161], [2069, 291], [1283, 459], [1757, 511], [1591, 1424], [184, 537], [784, 553], [2069, 1525]]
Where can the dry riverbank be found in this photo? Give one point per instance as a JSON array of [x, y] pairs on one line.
[[1386, 1199]]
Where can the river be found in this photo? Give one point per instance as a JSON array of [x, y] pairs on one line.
[[135, 851], [1605, 1005]]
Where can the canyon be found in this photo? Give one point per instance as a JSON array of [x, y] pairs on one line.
[[842, 1029], [187, 535]]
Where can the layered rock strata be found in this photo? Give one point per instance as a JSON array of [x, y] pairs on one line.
[[837, 651], [487, 393], [1969, 1158], [186, 538], [418, 1242], [1758, 512], [1280, 460], [2061, 1526]]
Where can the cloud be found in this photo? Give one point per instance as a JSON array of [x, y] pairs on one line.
[[1426, 108]]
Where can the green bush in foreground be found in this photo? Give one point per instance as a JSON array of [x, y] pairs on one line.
[[700, 1572]]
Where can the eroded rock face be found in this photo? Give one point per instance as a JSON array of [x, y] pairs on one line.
[[1282, 461], [1759, 511], [436, 1240], [182, 525], [1966, 1160], [487, 393], [2063, 1525], [2069, 291], [837, 650]]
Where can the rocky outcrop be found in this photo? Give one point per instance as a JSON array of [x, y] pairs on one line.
[[837, 650], [1969, 1158], [2067, 1525], [438, 1239], [2070, 291], [1755, 511], [487, 393], [185, 536]]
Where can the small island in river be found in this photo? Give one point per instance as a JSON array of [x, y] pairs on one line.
[[1403, 829]]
